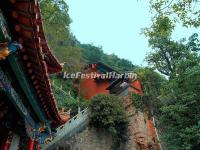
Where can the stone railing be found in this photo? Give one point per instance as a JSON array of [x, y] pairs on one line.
[[73, 126]]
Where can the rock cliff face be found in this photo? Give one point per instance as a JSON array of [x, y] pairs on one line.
[[142, 134]]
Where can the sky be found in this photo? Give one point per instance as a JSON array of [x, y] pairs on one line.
[[116, 26]]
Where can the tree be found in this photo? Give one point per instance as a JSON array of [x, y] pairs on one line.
[[117, 63], [107, 113], [168, 54], [56, 22], [180, 111], [91, 53], [71, 57], [178, 96], [186, 11], [56, 26], [152, 82]]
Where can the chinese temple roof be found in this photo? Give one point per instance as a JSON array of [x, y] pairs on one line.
[[25, 24], [101, 67]]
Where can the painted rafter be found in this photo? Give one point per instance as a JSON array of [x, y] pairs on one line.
[[28, 90]]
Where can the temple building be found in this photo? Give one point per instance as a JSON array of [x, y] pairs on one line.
[[141, 130], [28, 111], [100, 77]]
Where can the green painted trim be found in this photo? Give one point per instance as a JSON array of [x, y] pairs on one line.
[[17, 102], [15, 99], [26, 87], [4, 36]]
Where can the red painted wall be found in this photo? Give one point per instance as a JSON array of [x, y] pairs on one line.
[[90, 88], [136, 87]]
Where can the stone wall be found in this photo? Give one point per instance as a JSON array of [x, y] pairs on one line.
[[88, 139]]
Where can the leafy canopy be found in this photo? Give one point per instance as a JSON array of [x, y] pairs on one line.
[[186, 11]]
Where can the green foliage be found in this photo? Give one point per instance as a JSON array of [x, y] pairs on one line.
[[65, 45], [93, 54], [168, 54], [74, 104], [107, 113], [150, 79], [151, 84], [165, 54], [185, 10], [66, 97], [180, 112], [66, 84], [56, 26], [177, 98], [139, 102], [161, 26], [71, 57], [117, 63], [56, 21], [70, 103]]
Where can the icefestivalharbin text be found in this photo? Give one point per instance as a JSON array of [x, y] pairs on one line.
[[93, 75]]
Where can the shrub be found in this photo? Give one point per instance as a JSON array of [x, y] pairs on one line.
[[107, 113]]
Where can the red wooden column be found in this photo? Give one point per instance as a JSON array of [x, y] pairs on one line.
[[6, 146], [7, 142], [38, 147], [31, 144]]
